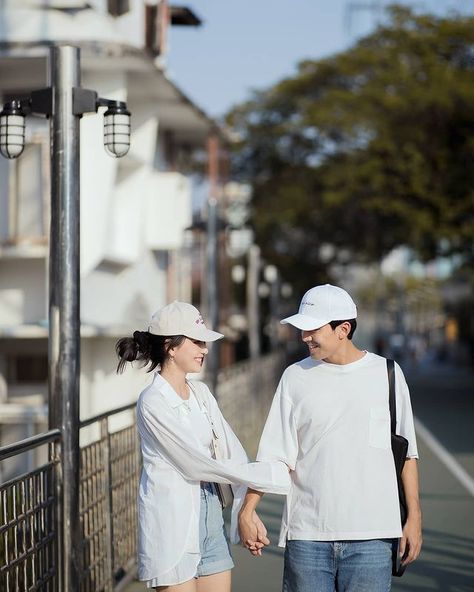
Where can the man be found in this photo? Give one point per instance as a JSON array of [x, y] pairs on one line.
[[330, 423]]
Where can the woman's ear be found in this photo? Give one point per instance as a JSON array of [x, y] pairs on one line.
[[170, 351]]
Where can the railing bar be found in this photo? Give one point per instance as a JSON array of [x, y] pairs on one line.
[[27, 514], [28, 443], [17, 479], [26, 554], [87, 422]]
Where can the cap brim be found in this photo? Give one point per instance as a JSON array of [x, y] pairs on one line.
[[204, 335], [304, 322]]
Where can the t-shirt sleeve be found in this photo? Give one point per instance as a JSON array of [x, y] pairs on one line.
[[405, 423], [279, 441]]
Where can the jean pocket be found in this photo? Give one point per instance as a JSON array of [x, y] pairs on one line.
[[379, 427]]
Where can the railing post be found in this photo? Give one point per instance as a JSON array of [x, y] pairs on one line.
[[55, 456], [107, 463], [64, 319]]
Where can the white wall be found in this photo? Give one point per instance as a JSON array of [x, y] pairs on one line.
[[23, 296], [102, 388], [98, 172], [113, 296], [168, 210]]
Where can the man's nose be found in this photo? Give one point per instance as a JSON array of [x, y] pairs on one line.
[[305, 336]]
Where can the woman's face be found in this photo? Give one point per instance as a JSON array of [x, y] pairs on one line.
[[189, 356]]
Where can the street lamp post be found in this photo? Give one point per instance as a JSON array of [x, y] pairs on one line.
[[272, 277], [64, 103], [253, 305], [212, 258]]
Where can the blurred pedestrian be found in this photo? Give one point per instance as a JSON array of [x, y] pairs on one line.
[[330, 423], [190, 456]]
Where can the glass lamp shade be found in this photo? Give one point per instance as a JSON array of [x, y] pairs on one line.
[[116, 131], [12, 132]]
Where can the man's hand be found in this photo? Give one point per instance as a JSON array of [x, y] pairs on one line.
[[410, 543], [252, 532]]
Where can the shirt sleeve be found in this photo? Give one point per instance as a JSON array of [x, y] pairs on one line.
[[405, 423], [177, 446], [279, 441]]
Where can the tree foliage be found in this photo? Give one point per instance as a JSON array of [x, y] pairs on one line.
[[366, 150]]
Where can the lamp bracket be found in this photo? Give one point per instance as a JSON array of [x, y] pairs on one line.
[[84, 101], [40, 102]]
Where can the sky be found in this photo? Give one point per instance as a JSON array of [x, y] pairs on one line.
[[244, 45]]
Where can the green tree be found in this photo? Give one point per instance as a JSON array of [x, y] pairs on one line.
[[366, 150]]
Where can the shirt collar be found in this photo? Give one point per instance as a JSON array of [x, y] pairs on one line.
[[168, 392]]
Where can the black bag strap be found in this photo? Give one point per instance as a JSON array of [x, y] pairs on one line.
[[391, 395]]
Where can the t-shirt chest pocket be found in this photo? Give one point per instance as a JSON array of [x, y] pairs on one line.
[[379, 427]]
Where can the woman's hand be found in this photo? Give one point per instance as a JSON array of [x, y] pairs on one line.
[[252, 531]]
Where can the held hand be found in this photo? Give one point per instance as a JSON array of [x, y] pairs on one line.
[[252, 532], [261, 532], [410, 543]]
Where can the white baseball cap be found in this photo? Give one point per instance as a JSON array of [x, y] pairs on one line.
[[321, 305], [181, 318]]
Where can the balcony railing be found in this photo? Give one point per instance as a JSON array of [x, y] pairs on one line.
[[30, 534]]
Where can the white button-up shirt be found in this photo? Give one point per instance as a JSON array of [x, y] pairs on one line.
[[174, 464], [331, 424]]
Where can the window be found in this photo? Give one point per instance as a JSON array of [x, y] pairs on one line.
[[27, 368], [118, 7], [156, 23]]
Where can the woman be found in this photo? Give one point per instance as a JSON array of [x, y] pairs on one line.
[[182, 545]]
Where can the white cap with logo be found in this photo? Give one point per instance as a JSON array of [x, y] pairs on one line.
[[321, 305], [181, 318]]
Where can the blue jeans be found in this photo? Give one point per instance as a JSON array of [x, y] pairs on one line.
[[345, 566]]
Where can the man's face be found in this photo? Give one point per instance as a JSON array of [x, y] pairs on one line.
[[323, 342]]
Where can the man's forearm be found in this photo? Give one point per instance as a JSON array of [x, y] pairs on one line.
[[251, 501], [411, 541], [411, 488]]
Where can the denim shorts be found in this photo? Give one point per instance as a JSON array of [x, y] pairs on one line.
[[325, 566], [213, 543]]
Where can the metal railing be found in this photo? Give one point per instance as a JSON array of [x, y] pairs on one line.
[[30, 534], [29, 537], [245, 392], [109, 470]]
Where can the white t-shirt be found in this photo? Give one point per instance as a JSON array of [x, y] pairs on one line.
[[199, 420], [331, 424]]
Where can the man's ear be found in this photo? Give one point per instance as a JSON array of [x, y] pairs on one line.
[[344, 329]]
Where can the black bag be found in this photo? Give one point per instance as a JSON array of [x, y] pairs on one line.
[[399, 450]]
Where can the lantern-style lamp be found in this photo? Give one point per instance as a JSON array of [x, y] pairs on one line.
[[116, 128], [12, 130]]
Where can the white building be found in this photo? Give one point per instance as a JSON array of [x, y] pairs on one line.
[[133, 210]]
